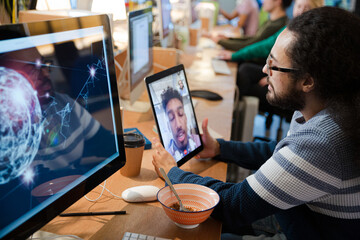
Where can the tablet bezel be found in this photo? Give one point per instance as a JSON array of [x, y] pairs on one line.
[[158, 76]]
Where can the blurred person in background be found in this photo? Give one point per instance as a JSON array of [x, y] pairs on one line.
[[277, 20], [248, 13]]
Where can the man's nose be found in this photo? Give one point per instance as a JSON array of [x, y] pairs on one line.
[[264, 69], [177, 122]]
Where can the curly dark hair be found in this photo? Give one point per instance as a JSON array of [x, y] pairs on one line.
[[169, 94], [327, 48]]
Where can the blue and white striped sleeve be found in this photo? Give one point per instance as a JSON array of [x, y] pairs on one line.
[[89, 124], [298, 172]]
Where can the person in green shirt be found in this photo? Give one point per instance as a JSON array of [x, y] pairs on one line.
[[261, 49], [277, 20]]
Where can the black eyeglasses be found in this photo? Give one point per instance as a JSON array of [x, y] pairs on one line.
[[279, 69]]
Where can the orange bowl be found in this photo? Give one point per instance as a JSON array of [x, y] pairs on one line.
[[199, 198]]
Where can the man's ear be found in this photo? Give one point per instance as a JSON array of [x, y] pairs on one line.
[[308, 84]]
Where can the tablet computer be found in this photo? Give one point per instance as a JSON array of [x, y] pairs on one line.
[[174, 113]]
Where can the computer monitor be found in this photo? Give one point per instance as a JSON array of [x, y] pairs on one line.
[[60, 125], [140, 51], [166, 27]]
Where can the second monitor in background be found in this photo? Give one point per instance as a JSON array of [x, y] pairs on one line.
[[139, 59], [166, 28]]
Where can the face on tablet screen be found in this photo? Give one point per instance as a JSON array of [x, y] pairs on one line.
[[175, 117]]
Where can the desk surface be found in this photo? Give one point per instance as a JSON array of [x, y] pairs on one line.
[[149, 218]]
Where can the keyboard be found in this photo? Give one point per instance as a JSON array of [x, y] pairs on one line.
[[220, 66], [137, 236]]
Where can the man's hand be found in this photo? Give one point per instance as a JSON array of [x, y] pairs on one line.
[[218, 37], [225, 55], [161, 158], [211, 146]]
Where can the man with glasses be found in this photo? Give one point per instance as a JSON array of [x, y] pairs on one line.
[[310, 180]]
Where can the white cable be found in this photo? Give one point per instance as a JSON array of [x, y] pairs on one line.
[[112, 193], [103, 188], [94, 200]]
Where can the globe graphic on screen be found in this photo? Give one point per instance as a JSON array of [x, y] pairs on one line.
[[20, 124]]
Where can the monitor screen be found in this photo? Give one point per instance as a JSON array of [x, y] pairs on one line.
[[140, 50], [60, 125], [165, 17]]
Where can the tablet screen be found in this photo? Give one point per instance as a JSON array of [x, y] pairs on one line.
[[174, 113]]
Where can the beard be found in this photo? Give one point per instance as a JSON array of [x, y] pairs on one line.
[[292, 99], [183, 141]]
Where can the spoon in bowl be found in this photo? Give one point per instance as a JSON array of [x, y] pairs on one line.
[[182, 208]]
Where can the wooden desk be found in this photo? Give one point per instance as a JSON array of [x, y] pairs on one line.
[[149, 218]]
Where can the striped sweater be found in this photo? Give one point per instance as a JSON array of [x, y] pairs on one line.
[[307, 180], [72, 135]]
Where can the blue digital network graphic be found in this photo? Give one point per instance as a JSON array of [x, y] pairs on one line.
[[21, 127], [23, 122]]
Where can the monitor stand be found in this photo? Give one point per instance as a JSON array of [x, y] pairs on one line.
[[169, 40], [42, 235], [138, 106], [164, 42]]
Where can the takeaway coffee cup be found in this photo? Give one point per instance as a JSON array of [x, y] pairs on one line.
[[134, 147], [205, 24], [194, 36]]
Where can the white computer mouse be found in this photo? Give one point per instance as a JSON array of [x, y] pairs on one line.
[[145, 193]]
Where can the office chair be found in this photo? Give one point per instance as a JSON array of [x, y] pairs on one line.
[[269, 112], [244, 113]]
